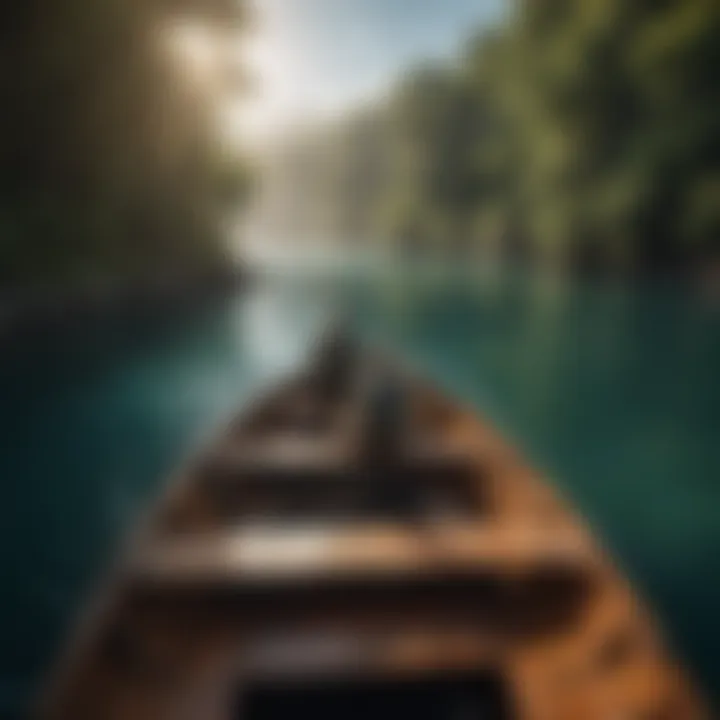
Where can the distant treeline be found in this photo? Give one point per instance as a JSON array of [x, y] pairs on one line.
[[110, 167], [581, 133]]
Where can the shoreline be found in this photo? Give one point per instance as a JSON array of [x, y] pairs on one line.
[[34, 311]]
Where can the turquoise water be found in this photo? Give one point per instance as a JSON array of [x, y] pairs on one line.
[[614, 391]]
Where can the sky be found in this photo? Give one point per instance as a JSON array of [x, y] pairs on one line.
[[310, 59]]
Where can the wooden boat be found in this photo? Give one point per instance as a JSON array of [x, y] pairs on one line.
[[358, 544]]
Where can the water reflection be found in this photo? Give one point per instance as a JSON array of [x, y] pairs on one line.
[[276, 325]]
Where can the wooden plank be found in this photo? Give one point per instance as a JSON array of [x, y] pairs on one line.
[[284, 454], [263, 554]]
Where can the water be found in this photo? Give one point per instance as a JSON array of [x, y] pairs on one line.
[[614, 391]]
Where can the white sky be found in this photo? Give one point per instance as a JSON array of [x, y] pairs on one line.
[[311, 58]]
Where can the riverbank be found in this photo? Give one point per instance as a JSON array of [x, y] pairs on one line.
[[29, 311]]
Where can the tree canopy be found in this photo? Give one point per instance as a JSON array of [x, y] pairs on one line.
[[582, 134]]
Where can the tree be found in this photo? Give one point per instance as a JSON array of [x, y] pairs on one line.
[[108, 155]]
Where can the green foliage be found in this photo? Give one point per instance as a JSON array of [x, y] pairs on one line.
[[585, 134]]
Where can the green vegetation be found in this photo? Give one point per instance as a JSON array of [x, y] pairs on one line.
[[583, 134], [110, 166]]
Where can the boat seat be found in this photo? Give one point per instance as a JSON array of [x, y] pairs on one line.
[[292, 477], [259, 554], [285, 455], [519, 586], [359, 652]]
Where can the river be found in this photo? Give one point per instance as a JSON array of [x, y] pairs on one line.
[[613, 390]]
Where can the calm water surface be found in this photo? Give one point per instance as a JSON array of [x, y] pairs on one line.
[[614, 391]]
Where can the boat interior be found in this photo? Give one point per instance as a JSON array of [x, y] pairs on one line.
[[471, 695]]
